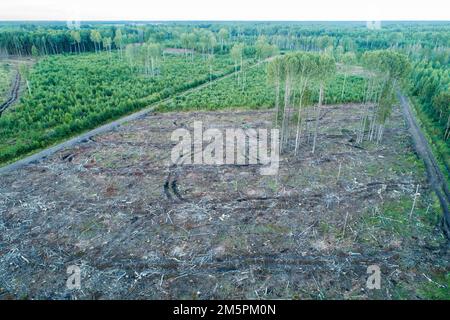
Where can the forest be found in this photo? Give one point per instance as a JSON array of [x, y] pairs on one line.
[[86, 76], [359, 123]]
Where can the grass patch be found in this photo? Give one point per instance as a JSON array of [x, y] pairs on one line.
[[436, 289]]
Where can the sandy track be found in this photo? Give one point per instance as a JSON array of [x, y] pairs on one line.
[[435, 176]]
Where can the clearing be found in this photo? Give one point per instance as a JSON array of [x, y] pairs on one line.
[[140, 228]]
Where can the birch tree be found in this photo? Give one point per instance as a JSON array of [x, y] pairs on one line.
[[275, 75], [325, 68], [118, 41], [347, 59], [96, 38], [387, 69], [76, 37], [305, 70], [153, 55], [107, 44], [237, 54], [223, 37]]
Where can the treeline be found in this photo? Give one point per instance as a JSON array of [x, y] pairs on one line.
[[56, 41], [53, 39]]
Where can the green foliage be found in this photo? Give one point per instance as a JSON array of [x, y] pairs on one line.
[[430, 83], [259, 93], [78, 92], [5, 80], [70, 94], [228, 93], [237, 52], [264, 49], [430, 89], [418, 38], [387, 68], [388, 63]]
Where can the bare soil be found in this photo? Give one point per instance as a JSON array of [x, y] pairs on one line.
[[13, 95], [140, 228]]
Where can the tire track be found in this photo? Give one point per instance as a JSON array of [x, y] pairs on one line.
[[434, 173], [13, 95], [170, 184], [34, 158]]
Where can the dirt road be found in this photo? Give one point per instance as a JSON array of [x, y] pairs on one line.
[[434, 174], [13, 95]]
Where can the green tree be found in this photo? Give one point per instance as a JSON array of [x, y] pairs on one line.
[[223, 37], [237, 54], [96, 37], [275, 74], [325, 68], [107, 44], [118, 41], [76, 37], [34, 51]]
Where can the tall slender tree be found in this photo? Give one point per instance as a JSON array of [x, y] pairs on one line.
[[118, 41], [223, 37], [325, 68]]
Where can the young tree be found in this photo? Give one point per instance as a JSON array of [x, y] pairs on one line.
[[203, 42], [192, 40], [132, 54], [441, 103], [118, 41], [107, 44], [96, 38], [261, 46], [153, 54], [210, 61], [387, 68], [347, 59], [34, 51], [326, 67], [275, 75], [223, 37], [305, 70], [24, 70], [237, 53], [184, 39], [290, 74], [212, 42], [76, 37], [264, 49]]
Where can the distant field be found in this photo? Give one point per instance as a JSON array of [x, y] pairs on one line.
[[72, 93]]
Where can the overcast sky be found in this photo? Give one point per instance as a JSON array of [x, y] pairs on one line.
[[224, 10]]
